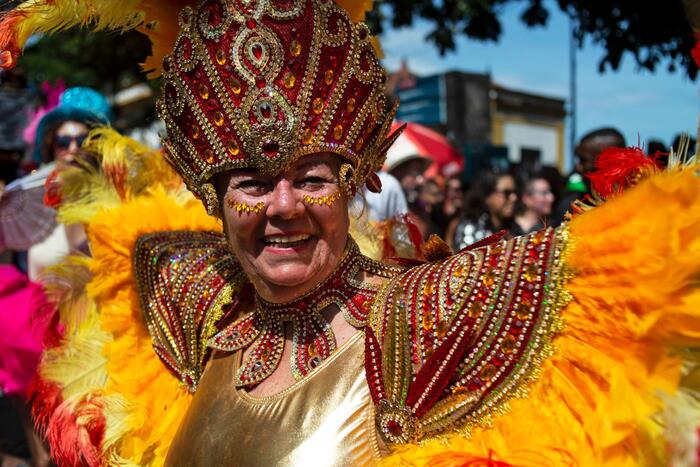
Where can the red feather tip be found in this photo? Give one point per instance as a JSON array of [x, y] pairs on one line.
[[9, 49], [620, 168], [695, 53]]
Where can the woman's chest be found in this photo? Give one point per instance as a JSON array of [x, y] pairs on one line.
[[325, 419]]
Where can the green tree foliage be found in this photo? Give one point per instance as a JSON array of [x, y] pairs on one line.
[[106, 61], [653, 32]]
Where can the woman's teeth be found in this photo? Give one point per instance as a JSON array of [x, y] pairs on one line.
[[287, 241]]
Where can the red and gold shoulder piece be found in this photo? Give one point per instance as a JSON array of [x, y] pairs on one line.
[[450, 342], [186, 285]]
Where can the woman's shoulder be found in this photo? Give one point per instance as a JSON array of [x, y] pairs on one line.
[[187, 282]]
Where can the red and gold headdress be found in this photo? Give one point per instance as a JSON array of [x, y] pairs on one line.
[[256, 83]]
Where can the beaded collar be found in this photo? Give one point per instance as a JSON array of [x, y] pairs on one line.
[[313, 340]]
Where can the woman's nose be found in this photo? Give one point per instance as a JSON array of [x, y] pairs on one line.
[[283, 201]]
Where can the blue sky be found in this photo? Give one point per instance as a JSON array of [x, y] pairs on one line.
[[640, 103]]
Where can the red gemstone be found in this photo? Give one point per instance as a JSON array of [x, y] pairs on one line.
[[270, 148], [394, 427], [257, 51], [266, 109], [363, 33], [260, 82], [250, 24]]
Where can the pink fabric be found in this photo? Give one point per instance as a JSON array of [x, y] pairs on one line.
[[20, 340]]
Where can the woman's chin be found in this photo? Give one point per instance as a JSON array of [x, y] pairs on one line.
[[286, 281]]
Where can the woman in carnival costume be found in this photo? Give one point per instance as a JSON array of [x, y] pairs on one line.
[[279, 343]]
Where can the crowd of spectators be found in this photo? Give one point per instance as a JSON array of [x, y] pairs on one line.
[[464, 211]]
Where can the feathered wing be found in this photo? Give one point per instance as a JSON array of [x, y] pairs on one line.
[[619, 384]]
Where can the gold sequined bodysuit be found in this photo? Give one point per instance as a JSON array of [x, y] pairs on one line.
[[325, 419]]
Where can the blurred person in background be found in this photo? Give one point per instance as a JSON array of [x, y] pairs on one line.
[[586, 152], [429, 205], [409, 170], [535, 206], [489, 205], [59, 136], [390, 202], [454, 196]]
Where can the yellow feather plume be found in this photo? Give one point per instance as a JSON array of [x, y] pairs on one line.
[[78, 366]]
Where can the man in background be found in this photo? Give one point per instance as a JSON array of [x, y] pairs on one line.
[[586, 152]]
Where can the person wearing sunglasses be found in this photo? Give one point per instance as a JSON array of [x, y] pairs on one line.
[[488, 208], [68, 141], [59, 136]]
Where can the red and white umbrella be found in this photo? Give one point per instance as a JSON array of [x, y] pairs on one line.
[[420, 141]]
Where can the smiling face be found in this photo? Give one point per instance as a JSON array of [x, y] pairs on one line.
[[285, 242]]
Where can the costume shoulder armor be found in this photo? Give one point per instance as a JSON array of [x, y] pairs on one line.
[[449, 342], [186, 283]]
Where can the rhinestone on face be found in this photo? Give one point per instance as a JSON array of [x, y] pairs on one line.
[[317, 105]]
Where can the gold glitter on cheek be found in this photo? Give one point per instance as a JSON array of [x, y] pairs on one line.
[[327, 200], [242, 208]]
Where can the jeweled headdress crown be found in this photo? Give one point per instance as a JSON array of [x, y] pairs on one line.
[[260, 83]]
